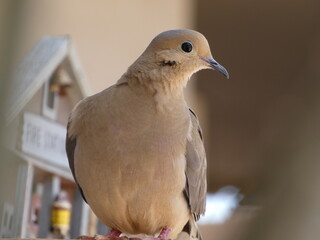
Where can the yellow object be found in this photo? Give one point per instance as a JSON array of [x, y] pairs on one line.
[[60, 217]]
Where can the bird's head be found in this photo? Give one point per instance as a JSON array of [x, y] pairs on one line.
[[173, 56]]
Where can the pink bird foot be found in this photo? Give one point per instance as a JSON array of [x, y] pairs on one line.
[[115, 235], [164, 233], [112, 235], [162, 236]]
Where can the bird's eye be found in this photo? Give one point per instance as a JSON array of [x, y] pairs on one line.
[[186, 47]]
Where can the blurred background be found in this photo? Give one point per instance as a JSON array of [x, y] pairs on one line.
[[261, 127]]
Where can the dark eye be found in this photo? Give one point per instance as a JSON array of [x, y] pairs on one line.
[[186, 47]]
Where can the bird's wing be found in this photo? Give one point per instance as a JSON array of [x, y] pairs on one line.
[[196, 183], [71, 143]]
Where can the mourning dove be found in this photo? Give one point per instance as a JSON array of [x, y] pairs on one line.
[[135, 149]]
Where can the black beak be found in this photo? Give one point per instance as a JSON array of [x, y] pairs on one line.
[[215, 65]]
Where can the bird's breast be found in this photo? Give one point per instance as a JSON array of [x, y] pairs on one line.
[[132, 171]]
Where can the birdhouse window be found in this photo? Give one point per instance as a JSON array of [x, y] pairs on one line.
[[50, 99]]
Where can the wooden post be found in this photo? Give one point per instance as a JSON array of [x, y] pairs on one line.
[[51, 190], [79, 217], [23, 196]]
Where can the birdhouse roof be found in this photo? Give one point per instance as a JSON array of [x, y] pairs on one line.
[[38, 66]]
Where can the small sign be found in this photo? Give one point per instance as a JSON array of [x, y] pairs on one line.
[[44, 139]]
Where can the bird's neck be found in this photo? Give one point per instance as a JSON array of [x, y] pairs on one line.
[[167, 92]]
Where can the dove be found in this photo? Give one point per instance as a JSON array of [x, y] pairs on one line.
[[136, 149]]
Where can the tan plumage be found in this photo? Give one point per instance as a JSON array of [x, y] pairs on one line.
[[136, 150]]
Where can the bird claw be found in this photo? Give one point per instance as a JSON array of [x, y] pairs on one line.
[[164, 233], [115, 235], [162, 236], [112, 235], [105, 237], [102, 237]]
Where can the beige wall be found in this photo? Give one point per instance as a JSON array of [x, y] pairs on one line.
[[271, 49], [108, 35]]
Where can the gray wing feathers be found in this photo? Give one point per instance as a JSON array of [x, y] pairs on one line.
[[190, 231], [71, 143], [196, 185]]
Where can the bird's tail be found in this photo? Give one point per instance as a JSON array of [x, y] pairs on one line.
[[190, 231]]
